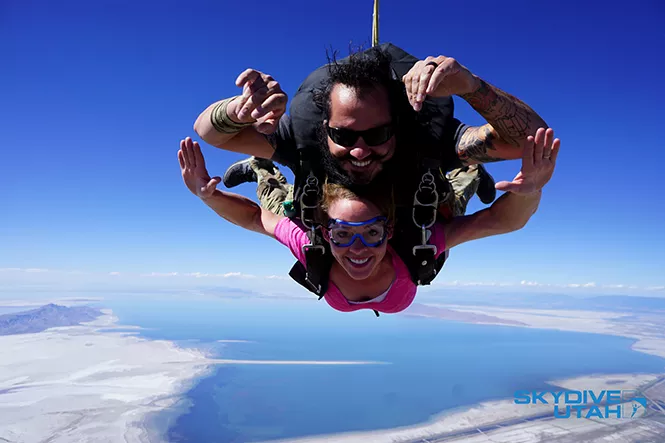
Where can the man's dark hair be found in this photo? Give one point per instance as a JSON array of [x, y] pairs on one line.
[[364, 72]]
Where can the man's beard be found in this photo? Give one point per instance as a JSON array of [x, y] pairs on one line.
[[335, 173]]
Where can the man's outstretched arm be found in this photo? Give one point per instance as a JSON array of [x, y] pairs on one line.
[[509, 120]]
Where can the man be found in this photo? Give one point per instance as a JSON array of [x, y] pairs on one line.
[[364, 96]]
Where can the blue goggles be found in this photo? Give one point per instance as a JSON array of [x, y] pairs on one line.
[[372, 233]]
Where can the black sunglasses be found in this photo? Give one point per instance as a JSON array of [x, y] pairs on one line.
[[373, 136]]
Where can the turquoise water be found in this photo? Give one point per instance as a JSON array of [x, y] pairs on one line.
[[434, 365]]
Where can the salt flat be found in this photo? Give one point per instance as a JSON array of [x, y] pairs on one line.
[[79, 384], [83, 384]]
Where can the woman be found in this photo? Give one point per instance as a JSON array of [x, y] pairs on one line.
[[367, 273]]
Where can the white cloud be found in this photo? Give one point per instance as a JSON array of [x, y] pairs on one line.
[[277, 277], [149, 274], [196, 274], [202, 275], [183, 276], [471, 283], [530, 283], [160, 274], [31, 270], [236, 275]]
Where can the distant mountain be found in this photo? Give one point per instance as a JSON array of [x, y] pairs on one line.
[[48, 316]]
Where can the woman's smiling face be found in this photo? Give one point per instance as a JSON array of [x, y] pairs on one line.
[[358, 260]]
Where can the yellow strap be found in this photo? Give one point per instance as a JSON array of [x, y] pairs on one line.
[[375, 24]]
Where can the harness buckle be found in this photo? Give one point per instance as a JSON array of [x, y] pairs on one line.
[[311, 187], [423, 245], [312, 245], [315, 288], [427, 186]]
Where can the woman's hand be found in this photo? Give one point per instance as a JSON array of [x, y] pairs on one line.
[[193, 168], [538, 160]]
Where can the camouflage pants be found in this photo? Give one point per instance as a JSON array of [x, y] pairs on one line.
[[273, 189], [464, 182]]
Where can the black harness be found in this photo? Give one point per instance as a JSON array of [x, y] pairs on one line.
[[412, 227], [314, 276]]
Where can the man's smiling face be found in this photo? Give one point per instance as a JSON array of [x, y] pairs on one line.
[[353, 111]]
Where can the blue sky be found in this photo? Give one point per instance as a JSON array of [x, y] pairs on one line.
[[95, 97]]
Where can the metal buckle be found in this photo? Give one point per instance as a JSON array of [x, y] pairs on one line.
[[312, 242], [427, 184], [306, 248], [424, 244], [316, 288], [312, 185]]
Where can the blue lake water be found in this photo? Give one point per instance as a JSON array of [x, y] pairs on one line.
[[434, 365]]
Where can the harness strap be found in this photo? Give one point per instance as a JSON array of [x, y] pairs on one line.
[[314, 251], [315, 266]]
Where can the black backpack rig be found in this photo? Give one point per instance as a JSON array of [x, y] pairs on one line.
[[413, 222]]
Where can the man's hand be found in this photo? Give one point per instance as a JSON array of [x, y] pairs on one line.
[[193, 168], [262, 101], [538, 162], [438, 77]]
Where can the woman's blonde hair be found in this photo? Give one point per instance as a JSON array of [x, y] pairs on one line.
[[381, 197]]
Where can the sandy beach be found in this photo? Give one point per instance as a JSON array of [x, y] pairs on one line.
[[87, 385]]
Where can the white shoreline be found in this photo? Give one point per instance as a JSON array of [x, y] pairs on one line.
[[86, 383]]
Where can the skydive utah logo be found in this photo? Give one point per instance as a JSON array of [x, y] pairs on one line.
[[587, 404]]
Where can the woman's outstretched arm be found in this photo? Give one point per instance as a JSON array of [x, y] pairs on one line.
[[235, 208], [512, 210]]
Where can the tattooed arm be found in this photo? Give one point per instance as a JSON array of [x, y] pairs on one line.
[[510, 122]]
